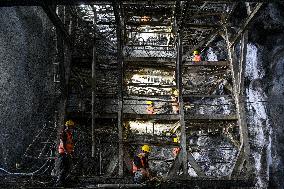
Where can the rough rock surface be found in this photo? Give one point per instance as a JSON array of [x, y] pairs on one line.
[[25, 79]]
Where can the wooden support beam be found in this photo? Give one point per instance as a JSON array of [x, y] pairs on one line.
[[119, 29], [175, 168], [198, 170], [57, 23], [179, 48], [200, 26], [245, 24], [206, 63], [242, 116], [201, 43], [239, 102], [112, 165]]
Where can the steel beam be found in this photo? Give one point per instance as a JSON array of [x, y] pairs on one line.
[[245, 24], [80, 2], [57, 23], [119, 29], [94, 62]]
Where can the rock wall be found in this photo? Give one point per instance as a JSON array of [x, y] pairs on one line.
[[264, 89], [25, 79]]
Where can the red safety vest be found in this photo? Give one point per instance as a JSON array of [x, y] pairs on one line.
[[134, 167], [69, 144], [197, 58]]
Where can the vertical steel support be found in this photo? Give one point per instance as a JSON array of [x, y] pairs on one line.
[[181, 104], [119, 34], [94, 82]]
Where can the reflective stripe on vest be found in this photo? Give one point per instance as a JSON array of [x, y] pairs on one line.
[[69, 144]]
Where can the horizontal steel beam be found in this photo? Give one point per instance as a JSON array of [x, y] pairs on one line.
[[79, 2]]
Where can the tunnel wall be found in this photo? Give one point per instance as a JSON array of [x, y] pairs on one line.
[[264, 82], [25, 79]]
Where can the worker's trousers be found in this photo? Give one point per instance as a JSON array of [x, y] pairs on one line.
[[64, 167], [139, 177]]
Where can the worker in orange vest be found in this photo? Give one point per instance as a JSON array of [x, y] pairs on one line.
[[196, 56], [150, 107], [65, 150], [141, 166], [176, 150]]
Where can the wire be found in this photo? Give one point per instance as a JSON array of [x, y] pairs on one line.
[[26, 174]]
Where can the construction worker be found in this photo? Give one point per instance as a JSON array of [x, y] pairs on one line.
[[176, 150], [196, 56], [65, 150], [175, 105], [150, 107], [141, 166]]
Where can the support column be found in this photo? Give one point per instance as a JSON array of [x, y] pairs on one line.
[[243, 153], [181, 104], [119, 28], [94, 60]]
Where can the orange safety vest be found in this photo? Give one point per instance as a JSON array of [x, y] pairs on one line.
[[197, 58], [69, 144], [176, 151], [134, 167]]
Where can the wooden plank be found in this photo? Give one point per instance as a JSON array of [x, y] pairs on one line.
[[206, 63], [167, 117], [201, 26], [151, 139], [245, 24], [206, 96], [149, 85], [211, 117], [170, 117], [149, 59]]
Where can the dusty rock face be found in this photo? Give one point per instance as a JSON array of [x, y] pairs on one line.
[[264, 81], [25, 79]]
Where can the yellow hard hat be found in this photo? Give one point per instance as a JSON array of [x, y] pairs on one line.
[[69, 123], [176, 139], [195, 52], [146, 148], [149, 102], [175, 92]]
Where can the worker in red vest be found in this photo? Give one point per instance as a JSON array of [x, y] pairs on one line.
[[196, 56], [141, 166], [65, 150]]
